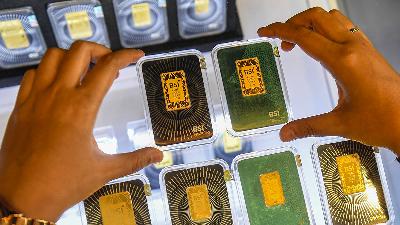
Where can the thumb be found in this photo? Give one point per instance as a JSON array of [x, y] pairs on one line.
[[120, 165], [328, 124]]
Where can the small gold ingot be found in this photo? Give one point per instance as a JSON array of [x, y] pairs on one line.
[[168, 160], [231, 144], [141, 14], [13, 34], [349, 167], [201, 6], [176, 93], [117, 209], [79, 25], [272, 189], [199, 203], [250, 77]]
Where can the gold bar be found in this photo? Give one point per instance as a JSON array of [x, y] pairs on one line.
[[199, 203], [201, 6], [117, 209], [250, 77], [13, 34], [176, 93], [272, 188], [349, 167], [141, 14], [79, 25]]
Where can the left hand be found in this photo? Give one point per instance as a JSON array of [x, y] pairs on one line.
[[49, 159]]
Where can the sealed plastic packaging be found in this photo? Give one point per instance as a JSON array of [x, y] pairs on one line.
[[271, 188], [153, 171], [198, 193], [199, 18], [141, 22], [21, 41], [78, 20], [252, 86], [122, 201], [352, 183], [227, 147], [178, 109]]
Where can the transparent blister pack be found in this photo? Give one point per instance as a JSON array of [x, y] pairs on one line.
[[21, 40], [271, 188], [177, 101], [198, 193], [352, 183], [122, 201], [199, 18], [141, 22], [78, 20], [252, 86]]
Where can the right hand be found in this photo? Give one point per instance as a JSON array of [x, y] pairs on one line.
[[368, 109]]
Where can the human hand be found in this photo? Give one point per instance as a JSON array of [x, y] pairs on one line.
[[368, 109], [49, 159]]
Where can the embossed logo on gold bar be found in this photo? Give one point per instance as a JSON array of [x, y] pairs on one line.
[[176, 93], [79, 25], [117, 209], [141, 14], [13, 34], [250, 77], [201, 6], [349, 167], [199, 203], [272, 188]]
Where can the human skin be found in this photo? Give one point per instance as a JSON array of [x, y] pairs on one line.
[[368, 86], [49, 159]]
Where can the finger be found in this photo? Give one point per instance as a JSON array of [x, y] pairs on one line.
[[322, 22], [48, 67], [128, 163], [77, 61], [25, 88], [99, 80], [311, 42], [287, 46], [323, 125], [347, 23]]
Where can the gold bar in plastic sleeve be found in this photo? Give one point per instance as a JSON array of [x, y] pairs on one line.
[[199, 203], [117, 209], [201, 6], [272, 189], [231, 144], [79, 25], [176, 93], [141, 14], [351, 178], [250, 77], [13, 34]]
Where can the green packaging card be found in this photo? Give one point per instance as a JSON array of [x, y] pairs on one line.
[[252, 85], [272, 190]]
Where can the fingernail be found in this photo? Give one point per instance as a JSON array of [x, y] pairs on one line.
[[287, 135]]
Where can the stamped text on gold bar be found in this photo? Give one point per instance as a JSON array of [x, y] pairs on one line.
[[176, 93], [117, 209], [250, 77], [199, 203], [349, 167], [272, 189]]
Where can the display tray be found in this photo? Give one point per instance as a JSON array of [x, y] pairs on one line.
[[252, 86], [352, 183], [233, 31], [198, 193], [271, 188], [178, 108]]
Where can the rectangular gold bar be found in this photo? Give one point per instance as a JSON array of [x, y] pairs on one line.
[[141, 14], [176, 93], [199, 203], [117, 209], [272, 188], [201, 6], [231, 144], [250, 77], [79, 25], [349, 167], [13, 34]]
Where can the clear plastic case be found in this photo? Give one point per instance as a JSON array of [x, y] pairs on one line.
[[78, 20], [199, 18], [21, 40], [281, 168], [352, 183], [201, 193], [141, 22], [131, 193], [252, 86], [177, 101]]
